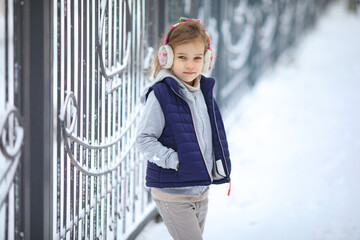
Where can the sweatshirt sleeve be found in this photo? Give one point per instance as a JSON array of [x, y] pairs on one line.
[[150, 128]]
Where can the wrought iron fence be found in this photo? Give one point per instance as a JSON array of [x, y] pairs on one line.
[[99, 180], [95, 60]]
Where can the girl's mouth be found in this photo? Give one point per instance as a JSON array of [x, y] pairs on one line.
[[189, 73]]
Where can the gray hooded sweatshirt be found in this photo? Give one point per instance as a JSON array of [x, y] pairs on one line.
[[152, 124]]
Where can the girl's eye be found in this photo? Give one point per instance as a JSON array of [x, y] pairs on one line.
[[182, 57], [198, 58]]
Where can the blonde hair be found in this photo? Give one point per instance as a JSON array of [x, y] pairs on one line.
[[183, 33]]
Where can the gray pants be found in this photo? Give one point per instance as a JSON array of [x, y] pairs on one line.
[[184, 221]]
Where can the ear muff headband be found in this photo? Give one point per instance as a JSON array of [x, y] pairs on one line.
[[166, 54]]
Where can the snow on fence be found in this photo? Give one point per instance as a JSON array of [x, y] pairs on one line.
[[100, 54]]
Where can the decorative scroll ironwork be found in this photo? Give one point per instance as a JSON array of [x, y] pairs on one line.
[[118, 66], [70, 109], [243, 17], [98, 174], [11, 139], [269, 19], [10, 142], [6, 180]]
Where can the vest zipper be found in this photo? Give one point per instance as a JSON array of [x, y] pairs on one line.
[[197, 139], [217, 130], [222, 148]]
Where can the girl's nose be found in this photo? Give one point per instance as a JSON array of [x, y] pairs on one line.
[[189, 64]]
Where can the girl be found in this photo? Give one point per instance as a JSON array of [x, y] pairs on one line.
[[181, 132]]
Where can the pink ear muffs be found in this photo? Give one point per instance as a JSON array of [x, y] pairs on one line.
[[166, 56], [209, 61], [166, 53]]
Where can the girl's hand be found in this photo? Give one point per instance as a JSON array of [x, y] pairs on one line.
[[177, 166]]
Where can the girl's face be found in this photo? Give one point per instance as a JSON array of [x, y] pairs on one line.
[[188, 61]]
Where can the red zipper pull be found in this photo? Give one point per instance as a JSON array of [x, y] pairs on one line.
[[229, 188]]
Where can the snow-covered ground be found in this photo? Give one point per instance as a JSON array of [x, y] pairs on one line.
[[295, 146]]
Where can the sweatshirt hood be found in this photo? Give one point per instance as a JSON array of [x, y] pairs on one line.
[[161, 75]]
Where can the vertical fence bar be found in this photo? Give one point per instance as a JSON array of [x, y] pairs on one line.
[[6, 101], [3, 66], [37, 119], [55, 78], [10, 100], [3, 61], [68, 83]]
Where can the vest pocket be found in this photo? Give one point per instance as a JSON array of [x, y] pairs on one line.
[[220, 168]]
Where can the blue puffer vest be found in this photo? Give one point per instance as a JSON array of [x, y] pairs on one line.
[[179, 134]]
